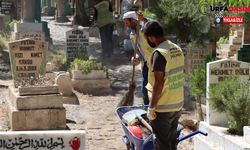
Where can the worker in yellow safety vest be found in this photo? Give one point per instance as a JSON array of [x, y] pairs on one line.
[[105, 22], [165, 86], [143, 49]]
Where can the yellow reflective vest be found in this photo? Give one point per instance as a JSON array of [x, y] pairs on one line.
[[104, 15], [172, 98], [145, 46]]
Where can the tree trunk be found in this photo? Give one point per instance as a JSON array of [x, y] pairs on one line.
[[82, 13], [199, 109], [73, 5]]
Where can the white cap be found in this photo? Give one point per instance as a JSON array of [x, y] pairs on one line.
[[130, 14]]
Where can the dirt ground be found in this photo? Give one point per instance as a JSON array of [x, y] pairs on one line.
[[96, 114]]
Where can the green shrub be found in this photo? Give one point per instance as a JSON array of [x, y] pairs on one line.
[[222, 40], [197, 82], [232, 97], [81, 53], [87, 65], [3, 43]]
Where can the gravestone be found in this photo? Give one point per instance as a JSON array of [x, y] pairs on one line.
[[34, 35], [43, 140], [64, 83], [6, 7], [28, 15], [195, 57], [28, 59], [243, 54], [75, 38], [216, 72]]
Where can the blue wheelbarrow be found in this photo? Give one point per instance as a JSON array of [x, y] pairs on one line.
[[132, 142]]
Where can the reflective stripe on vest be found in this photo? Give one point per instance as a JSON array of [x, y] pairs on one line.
[[172, 98], [171, 106], [104, 15], [174, 71]]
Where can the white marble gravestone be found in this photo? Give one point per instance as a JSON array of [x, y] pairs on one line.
[[75, 38], [216, 72]]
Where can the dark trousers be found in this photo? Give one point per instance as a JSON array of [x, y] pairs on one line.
[[144, 83], [106, 33], [165, 128]]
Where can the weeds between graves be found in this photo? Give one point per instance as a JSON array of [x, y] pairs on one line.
[[56, 56]]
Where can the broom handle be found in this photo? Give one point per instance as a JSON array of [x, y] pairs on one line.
[[136, 42]]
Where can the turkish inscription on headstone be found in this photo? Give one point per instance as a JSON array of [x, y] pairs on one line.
[[243, 54], [194, 58], [6, 7], [34, 35], [217, 71], [75, 39], [28, 59]]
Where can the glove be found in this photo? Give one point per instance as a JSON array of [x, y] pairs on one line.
[[151, 113]]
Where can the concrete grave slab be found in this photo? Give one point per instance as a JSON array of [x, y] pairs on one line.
[[94, 83], [218, 138], [34, 90], [64, 83], [92, 86], [28, 59], [36, 119], [34, 35], [216, 72], [70, 99], [246, 133], [34, 101], [45, 140], [75, 38], [94, 74]]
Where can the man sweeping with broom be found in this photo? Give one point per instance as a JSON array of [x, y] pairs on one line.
[[142, 53]]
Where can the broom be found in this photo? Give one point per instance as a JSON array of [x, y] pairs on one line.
[[128, 99]]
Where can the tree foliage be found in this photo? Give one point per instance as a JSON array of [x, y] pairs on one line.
[[197, 82], [181, 18], [232, 97]]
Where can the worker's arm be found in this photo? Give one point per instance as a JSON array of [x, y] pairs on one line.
[[141, 18], [157, 88]]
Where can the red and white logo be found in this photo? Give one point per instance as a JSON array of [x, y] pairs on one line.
[[233, 19], [75, 143]]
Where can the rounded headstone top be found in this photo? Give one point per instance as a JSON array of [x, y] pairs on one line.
[[62, 72]]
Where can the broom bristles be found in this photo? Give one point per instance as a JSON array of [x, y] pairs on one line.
[[128, 99]]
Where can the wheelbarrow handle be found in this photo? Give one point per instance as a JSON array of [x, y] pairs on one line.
[[190, 135], [125, 139]]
